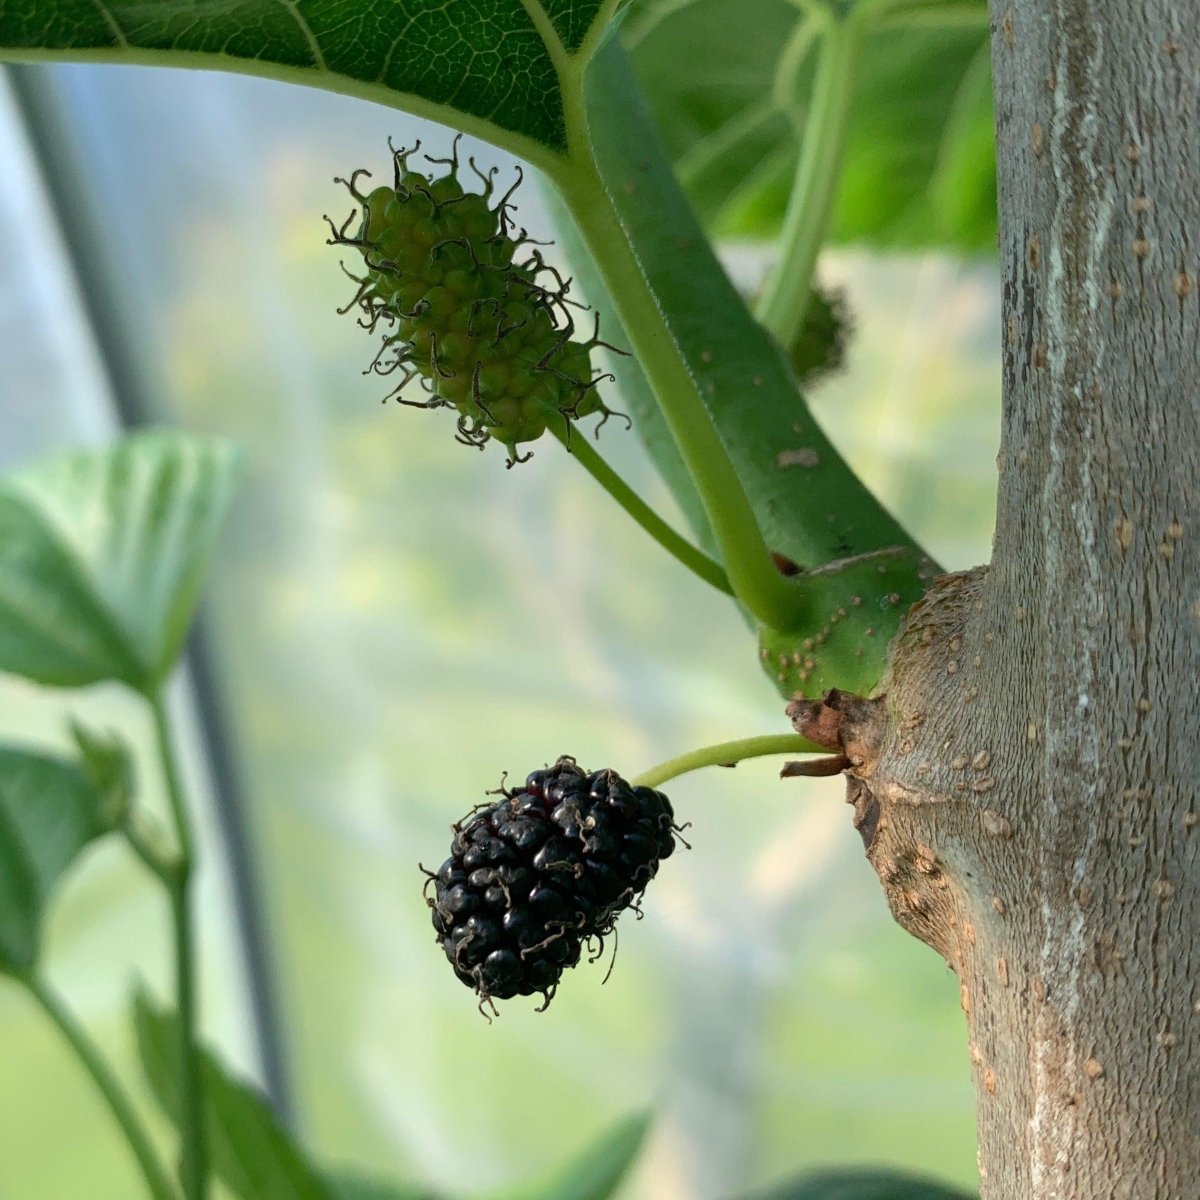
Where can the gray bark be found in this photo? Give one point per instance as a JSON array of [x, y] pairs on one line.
[[1027, 786]]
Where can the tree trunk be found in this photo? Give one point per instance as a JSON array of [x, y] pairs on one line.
[[1027, 784]]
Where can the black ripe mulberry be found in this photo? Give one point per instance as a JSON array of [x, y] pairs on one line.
[[550, 865]]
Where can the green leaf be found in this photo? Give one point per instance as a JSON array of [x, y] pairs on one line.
[[48, 813], [20, 904], [919, 167], [857, 1184], [745, 380], [102, 554], [344, 1186], [107, 763], [597, 1173], [486, 66], [252, 1153], [810, 506]]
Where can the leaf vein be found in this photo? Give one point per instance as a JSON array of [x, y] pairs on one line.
[[314, 46], [111, 21], [537, 13]]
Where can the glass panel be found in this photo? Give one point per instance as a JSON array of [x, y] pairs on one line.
[[401, 619]]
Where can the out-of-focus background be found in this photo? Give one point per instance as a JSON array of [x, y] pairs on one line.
[[393, 621]]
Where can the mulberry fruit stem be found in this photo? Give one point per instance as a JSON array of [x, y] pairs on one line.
[[775, 601], [157, 1183], [675, 544], [194, 1157], [822, 134], [727, 754]]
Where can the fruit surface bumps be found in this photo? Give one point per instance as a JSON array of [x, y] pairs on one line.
[[472, 310], [547, 867]]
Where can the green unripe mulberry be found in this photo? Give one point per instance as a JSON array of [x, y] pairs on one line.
[[481, 331]]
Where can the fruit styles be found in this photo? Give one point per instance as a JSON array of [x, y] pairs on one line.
[[470, 307]]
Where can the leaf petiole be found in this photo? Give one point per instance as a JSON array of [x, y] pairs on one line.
[[752, 575], [822, 133], [177, 878], [115, 1096]]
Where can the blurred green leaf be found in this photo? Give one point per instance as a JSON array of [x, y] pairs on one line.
[[253, 1154], [48, 813], [919, 168], [107, 762], [855, 1184], [345, 1186], [102, 554], [20, 904], [597, 1173], [477, 66]]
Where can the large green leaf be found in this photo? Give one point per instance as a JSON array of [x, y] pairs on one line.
[[597, 1173], [20, 903], [102, 554], [257, 1159], [48, 813], [253, 1154], [919, 166], [344, 1186], [858, 1184], [815, 514], [864, 570], [488, 66]]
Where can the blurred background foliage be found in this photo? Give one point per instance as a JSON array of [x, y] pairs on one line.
[[920, 161], [397, 620]]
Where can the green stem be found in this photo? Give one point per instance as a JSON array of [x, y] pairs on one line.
[[157, 1183], [752, 574], [727, 754], [810, 205], [194, 1168], [785, 86], [694, 559]]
